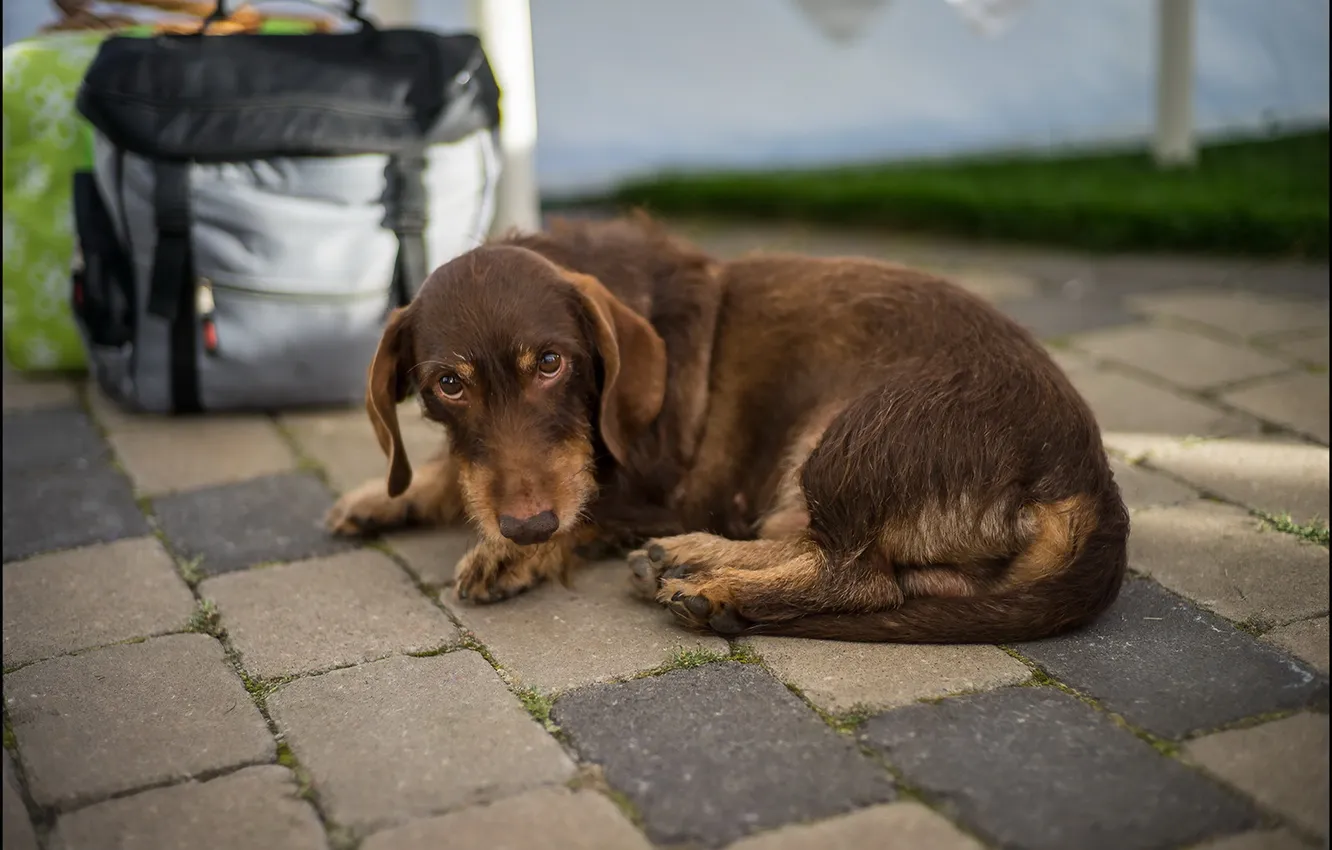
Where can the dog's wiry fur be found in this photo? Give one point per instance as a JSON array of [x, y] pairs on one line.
[[832, 448]]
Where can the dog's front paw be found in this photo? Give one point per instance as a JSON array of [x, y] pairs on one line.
[[695, 593], [368, 510], [493, 572]]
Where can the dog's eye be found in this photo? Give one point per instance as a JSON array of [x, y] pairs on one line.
[[450, 387], [549, 364]]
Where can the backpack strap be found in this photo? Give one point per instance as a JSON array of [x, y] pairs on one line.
[[171, 290], [407, 218]]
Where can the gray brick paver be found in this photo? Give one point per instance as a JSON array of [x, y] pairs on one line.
[[93, 596], [432, 554], [1271, 475], [251, 809], [1226, 560], [1173, 669], [1185, 359], [562, 819], [173, 456], [1298, 401], [554, 638], [125, 717], [18, 832], [235, 526], [1282, 764], [326, 612], [29, 392], [412, 737], [1306, 640], [1264, 839], [840, 676], [1240, 313], [1039, 769], [713, 753], [892, 826]]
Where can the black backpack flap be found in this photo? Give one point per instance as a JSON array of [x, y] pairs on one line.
[[240, 97]]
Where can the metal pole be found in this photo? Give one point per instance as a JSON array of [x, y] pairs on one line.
[[1174, 144], [505, 27]]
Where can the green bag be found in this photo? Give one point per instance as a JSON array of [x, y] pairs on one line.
[[45, 142]]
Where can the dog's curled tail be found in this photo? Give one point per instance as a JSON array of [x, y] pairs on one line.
[[1045, 606]]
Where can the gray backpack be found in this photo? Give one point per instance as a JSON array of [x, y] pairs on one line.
[[259, 203]]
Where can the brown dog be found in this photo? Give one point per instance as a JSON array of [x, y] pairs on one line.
[[826, 448]]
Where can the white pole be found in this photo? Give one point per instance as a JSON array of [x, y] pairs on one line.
[[505, 27], [1174, 144]]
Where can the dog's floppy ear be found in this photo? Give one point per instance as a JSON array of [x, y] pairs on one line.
[[386, 386], [634, 360]]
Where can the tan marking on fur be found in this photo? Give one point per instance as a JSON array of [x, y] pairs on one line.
[[1057, 532], [789, 515], [497, 569], [434, 497], [526, 361], [964, 532], [566, 486], [465, 370], [937, 581]]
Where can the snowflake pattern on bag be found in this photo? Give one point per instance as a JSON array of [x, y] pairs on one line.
[[45, 142]]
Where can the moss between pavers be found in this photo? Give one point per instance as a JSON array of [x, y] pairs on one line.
[[206, 619], [11, 742], [1315, 531], [1042, 679], [591, 777], [304, 462]]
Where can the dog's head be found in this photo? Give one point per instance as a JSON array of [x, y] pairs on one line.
[[532, 369]]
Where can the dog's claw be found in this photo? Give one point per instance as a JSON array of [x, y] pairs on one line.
[[679, 594]]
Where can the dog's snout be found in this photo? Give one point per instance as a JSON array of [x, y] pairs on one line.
[[533, 529]]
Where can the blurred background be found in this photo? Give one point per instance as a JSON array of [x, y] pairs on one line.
[[740, 107]]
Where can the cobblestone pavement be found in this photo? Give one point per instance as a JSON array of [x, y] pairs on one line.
[[190, 662]]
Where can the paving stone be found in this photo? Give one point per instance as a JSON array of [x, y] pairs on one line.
[[1267, 839], [712, 753], [59, 507], [892, 826], [1307, 640], [166, 457], [432, 554], [1142, 488], [124, 717], [234, 526], [564, 820], [838, 676], [412, 737], [113, 417], [1054, 317], [1282, 765], [1080, 780], [327, 612], [88, 597], [1224, 559], [1173, 669], [555, 638], [42, 439], [990, 283], [1298, 401], [251, 808], [30, 392], [1127, 407], [344, 443], [1185, 359], [1275, 476], [1244, 314], [1309, 349], [18, 832]]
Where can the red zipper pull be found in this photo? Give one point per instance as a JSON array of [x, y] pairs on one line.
[[204, 307]]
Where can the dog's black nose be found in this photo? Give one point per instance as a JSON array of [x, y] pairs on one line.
[[534, 529]]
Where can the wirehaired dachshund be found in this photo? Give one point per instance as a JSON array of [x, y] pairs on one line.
[[826, 448]]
